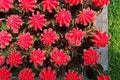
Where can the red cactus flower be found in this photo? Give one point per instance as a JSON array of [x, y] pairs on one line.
[[26, 74], [75, 36], [37, 57], [28, 5], [80, 77], [5, 73], [5, 38], [14, 59], [71, 75], [37, 21], [101, 39], [103, 77], [47, 74], [59, 57], [90, 57], [49, 36], [6, 5], [86, 16], [2, 59], [25, 41], [49, 4], [101, 3], [63, 17], [73, 2], [14, 22]]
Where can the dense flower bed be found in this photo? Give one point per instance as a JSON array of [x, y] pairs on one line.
[[43, 37]]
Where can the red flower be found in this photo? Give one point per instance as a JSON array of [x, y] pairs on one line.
[[63, 17], [37, 21], [49, 36], [5, 73], [37, 57], [101, 3], [90, 57], [103, 77], [14, 59], [5, 5], [49, 4], [86, 16], [26, 74], [28, 5], [71, 75], [80, 77], [2, 59], [59, 57], [14, 22], [47, 74], [75, 36], [101, 39], [5, 38], [25, 41], [73, 2]]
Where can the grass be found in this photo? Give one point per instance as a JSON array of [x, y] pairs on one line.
[[114, 32]]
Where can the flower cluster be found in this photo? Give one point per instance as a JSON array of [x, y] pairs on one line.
[[101, 3], [5, 73], [5, 38], [25, 41], [48, 35], [86, 16], [37, 57], [90, 57], [63, 17], [28, 5], [14, 22], [14, 59], [49, 5], [26, 74], [74, 37], [59, 57], [101, 39], [37, 21], [47, 74], [73, 2]]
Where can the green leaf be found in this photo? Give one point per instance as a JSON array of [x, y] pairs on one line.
[[4, 27], [5, 53]]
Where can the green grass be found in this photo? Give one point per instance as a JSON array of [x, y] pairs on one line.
[[114, 32]]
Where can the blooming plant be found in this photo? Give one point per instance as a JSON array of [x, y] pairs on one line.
[[50, 39]]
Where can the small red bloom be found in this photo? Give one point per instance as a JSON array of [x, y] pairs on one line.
[[59, 57], [2, 59], [73, 2], [47, 74], [26, 74], [14, 22], [90, 57], [14, 59], [6, 5], [49, 4], [101, 39], [49, 36], [25, 41], [80, 77], [37, 57], [37, 21], [71, 75], [28, 5], [5, 73], [101, 3], [5, 38], [86, 16], [63, 17], [75, 36], [103, 77]]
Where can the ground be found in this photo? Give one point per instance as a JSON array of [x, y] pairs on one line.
[[114, 32]]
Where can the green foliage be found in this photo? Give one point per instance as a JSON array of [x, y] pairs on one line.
[[4, 27], [114, 32]]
